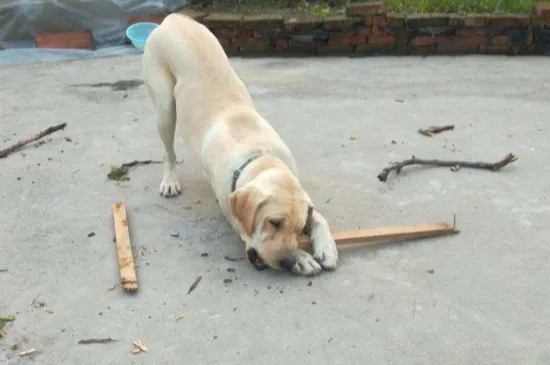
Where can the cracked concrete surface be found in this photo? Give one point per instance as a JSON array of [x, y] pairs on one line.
[[480, 297]]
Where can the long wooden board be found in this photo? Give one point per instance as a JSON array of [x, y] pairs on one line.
[[128, 278], [387, 234]]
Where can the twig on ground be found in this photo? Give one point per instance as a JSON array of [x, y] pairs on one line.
[[195, 284], [5, 152], [27, 352], [120, 173], [430, 131], [89, 341], [3, 270], [233, 259], [455, 165]]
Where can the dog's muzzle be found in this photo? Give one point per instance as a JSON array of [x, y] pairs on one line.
[[255, 259]]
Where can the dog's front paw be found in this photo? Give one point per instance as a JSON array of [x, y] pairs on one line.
[[305, 264], [325, 252], [170, 186]]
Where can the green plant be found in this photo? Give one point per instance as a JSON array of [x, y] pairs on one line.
[[318, 10]]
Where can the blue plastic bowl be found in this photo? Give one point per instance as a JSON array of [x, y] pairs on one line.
[[139, 32]]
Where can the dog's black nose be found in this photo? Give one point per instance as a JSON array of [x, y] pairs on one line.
[[255, 259], [288, 263]]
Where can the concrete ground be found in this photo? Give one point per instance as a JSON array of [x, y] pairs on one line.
[[480, 297]]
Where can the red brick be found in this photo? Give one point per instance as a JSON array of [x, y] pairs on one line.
[[76, 40], [365, 31], [197, 15], [454, 44], [225, 42], [146, 18], [475, 39], [509, 20], [335, 49], [252, 45], [381, 40], [337, 22], [468, 32], [225, 32], [301, 22], [348, 39], [263, 22], [539, 21], [223, 20], [374, 48], [476, 20], [499, 39], [376, 19], [423, 50], [382, 30], [359, 39], [255, 34], [494, 49], [395, 20], [416, 21], [280, 43], [453, 48], [542, 9], [364, 9], [423, 41]]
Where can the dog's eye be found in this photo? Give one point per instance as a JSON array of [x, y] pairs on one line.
[[275, 223]]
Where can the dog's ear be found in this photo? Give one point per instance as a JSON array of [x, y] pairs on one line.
[[245, 203]]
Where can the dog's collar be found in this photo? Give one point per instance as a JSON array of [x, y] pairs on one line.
[[237, 173]]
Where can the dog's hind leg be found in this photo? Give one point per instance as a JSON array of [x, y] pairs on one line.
[[160, 85]]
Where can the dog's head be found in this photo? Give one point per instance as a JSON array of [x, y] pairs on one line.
[[273, 211]]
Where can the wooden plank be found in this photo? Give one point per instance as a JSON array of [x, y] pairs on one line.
[[128, 278], [387, 234]]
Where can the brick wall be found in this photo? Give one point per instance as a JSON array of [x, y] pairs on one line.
[[370, 28]]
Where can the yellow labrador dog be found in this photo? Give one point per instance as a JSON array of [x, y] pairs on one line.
[[252, 172]]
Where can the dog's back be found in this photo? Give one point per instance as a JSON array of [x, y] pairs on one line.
[[184, 63]]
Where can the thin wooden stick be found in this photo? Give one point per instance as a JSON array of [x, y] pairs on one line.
[[431, 131], [36, 137], [387, 234], [128, 278], [454, 165]]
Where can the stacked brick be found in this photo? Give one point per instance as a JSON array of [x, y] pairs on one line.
[[365, 28]]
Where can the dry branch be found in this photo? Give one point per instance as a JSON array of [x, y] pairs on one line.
[[195, 284], [4, 153], [455, 165], [430, 131], [120, 173], [89, 341]]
